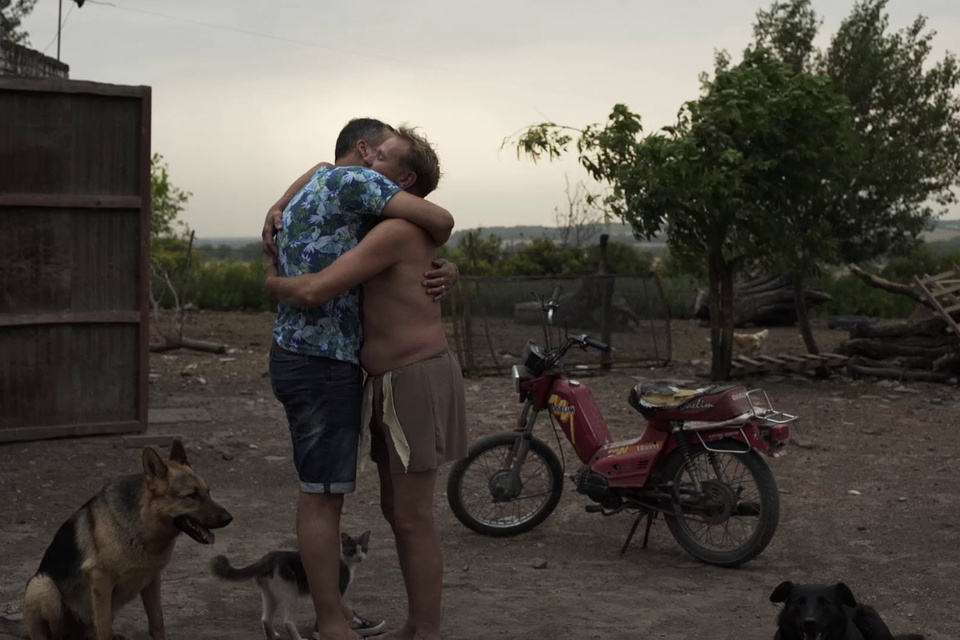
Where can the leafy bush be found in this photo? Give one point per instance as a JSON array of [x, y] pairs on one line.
[[220, 286], [227, 286]]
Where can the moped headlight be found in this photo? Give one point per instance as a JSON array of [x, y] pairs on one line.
[[515, 372]]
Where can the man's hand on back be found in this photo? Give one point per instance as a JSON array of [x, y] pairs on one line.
[[441, 281], [274, 221], [271, 226]]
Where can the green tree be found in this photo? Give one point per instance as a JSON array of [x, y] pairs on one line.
[[788, 29], [804, 189], [167, 201], [12, 13], [171, 258], [906, 117], [906, 114], [542, 257], [715, 180], [624, 259], [476, 254]]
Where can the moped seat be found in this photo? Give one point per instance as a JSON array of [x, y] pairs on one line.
[[656, 398]]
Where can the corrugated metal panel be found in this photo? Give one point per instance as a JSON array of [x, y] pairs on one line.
[[74, 242]]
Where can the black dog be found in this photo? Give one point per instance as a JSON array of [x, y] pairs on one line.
[[821, 612]]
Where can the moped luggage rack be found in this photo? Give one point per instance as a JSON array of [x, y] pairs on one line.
[[768, 413]]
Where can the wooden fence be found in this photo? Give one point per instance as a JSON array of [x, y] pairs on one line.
[[74, 258]]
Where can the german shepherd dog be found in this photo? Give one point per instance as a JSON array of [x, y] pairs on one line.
[[822, 612], [116, 546]]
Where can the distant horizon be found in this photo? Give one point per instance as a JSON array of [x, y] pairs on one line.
[[251, 239]]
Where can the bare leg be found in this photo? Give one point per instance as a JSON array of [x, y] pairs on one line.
[[409, 500], [387, 509], [318, 535]]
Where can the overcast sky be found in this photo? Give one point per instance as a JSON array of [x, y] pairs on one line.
[[242, 108]]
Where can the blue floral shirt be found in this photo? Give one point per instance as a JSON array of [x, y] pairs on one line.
[[327, 218]]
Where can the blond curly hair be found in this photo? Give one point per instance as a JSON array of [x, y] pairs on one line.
[[421, 159]]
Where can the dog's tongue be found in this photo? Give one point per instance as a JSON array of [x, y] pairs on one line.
[[195, 530]]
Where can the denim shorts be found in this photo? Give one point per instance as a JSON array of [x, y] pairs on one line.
[[322, 398]]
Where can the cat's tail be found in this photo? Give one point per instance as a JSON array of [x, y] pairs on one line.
[[222, 568]]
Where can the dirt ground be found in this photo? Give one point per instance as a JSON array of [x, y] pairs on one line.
[[894, 541]]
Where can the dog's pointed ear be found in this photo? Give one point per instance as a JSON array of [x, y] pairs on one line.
[[344, 538], [365, 539], [845, 595], [153, 464], [782, 592], [178, 453]]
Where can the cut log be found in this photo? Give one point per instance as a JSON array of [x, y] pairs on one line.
[[188, 343], [849, 322], [948, 362], [770, 303], [933, 326], [880, 350], [762, 285], [882, 369]]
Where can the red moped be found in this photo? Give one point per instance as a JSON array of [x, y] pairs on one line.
[[696, 463]]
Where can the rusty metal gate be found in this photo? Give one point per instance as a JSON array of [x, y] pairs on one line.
[[74, 258]]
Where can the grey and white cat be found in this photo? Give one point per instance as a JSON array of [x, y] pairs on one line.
[[282, 581]]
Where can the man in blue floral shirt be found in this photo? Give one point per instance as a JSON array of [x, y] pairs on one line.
[[325, 220], [314, 365]]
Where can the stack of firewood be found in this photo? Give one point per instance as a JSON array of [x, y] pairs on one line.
[[923, 348], [903, 350]]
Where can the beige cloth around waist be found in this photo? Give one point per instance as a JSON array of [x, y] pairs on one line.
[[422, 420], [389, 419]]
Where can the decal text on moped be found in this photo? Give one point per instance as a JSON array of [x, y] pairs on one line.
[[697, 404]]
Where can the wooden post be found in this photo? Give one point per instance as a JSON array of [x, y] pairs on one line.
[[455, 320], [606, 308], [468, 364], [666, 315]]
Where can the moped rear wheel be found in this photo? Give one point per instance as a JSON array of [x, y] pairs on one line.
[[481, 495], [733, 517]]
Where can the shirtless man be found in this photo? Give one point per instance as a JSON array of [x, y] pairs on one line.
[[414, 391]]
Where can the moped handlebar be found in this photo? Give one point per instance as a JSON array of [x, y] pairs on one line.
[[553, 303], [596, 344], [555, 298], [583, 341]]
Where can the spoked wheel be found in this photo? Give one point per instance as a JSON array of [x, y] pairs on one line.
[[733, 516], [482, 496]]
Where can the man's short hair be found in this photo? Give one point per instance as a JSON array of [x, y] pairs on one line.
[[369, 129], [422, 160]]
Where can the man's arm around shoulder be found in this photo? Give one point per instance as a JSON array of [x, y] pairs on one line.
[[379, 250], [433, 219]]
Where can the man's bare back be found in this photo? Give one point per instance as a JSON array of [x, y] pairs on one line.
[[400, 324]]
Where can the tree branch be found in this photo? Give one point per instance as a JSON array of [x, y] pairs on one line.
[[892, 287]]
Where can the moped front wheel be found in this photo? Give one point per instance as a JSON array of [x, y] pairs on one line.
[[726, 505], [488, 497]]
